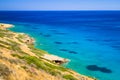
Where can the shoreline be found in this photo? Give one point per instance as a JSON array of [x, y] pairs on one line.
[[53, 58], [31, 40]]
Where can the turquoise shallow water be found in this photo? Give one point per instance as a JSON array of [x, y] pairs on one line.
[[89, 39]]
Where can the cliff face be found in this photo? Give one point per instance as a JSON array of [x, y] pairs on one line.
[[19, 60]]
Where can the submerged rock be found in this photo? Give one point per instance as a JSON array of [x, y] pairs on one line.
[[53, 30], [116, 46], [109, 40], [35, 28], [105, 70], [63, 50], [73, 43], [47, 35], [41, 33], [58, 42], [96, 68], [73, 52], [90, 40], [92, 67], [60, 33]]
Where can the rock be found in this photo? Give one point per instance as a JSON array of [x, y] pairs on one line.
[[96, 68], [63, 50], [58, 42], [73, 52]]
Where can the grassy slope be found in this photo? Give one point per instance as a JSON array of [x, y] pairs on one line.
[[18, 58]]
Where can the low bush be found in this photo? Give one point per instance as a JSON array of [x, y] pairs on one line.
[[69, 77], [4, 71]]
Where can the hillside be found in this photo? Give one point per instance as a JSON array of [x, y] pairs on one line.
[[19, 60]]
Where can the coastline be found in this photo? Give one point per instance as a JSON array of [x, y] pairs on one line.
[[52, 58], [30, 40]]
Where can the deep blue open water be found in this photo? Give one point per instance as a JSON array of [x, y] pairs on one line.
[[90, 39]]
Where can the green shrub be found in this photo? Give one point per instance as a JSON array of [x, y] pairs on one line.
[[69, 77], [36, 51], [56, 67], [3, 46], [24, 67], [19, 39], [16, 55], [2, 35], [4, 71], [5, 33], [5, 43], [41, 64]]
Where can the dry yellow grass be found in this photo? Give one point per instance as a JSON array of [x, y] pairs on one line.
[[20, 69]]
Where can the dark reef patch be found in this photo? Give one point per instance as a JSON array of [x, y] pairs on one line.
[[109, 40], [105, 70], [58, 42], [89, 39], [53, 30], [118, 43], [96, 68], [47, 35], [35, 28], [60, 33], [26, 24], [73, 52], [92, 67], [41, 33], [116, 46], [63, 50], [73, 43]]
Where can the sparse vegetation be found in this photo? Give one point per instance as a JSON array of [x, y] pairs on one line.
[[50, 68], [20, 37], [3, 33], [4, 71], [18, 59], [3, 46], [40, 64], [69, 77], [5, 43], [36, 51], [24, 67]]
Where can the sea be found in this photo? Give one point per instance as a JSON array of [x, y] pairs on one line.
[[89, 39]]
